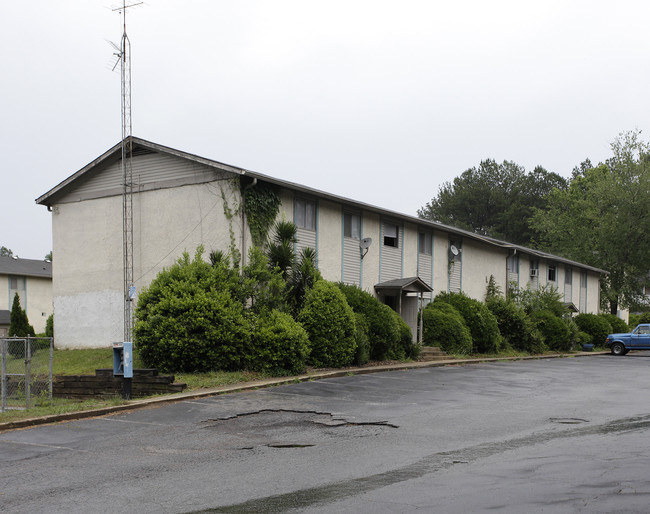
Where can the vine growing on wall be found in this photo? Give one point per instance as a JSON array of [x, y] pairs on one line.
[[262, 204], [230, 212]]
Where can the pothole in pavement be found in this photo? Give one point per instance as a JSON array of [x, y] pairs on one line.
[[569, 421], [284, 428]]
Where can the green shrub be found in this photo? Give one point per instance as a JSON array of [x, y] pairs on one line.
[[618, 325], [279, 345], [49, 326], [517, 329], [329, 322], [187, 319], [362, 328], [546, 298], [406, 349], [481, 322], [557, 335], [583, 338], [443, 326], [634, 320], [596, 326], [644, 318], [18, 323], [383, 332]]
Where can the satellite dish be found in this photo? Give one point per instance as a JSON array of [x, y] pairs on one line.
[[453, 250], [365, 243]]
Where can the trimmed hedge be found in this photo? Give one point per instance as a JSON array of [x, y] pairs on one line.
[[618, 325], [329, 322], [187, 320], [557, 335], [596, 326], [384, 332], [517, 329], [443, 326], [362, 328], [481, 322], [280, 345]]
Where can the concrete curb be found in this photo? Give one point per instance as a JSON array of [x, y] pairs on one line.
[[258, 384]]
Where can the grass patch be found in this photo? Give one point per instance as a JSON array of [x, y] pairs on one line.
[[85, 361], [211, 379], [58, 406]]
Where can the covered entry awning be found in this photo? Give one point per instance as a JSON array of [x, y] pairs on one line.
[[403, 285]]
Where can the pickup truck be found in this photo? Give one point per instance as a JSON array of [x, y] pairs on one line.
[[638, 339]]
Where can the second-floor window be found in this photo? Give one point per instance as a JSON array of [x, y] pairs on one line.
[[391, 235], [424, 242], [551, 274], [352, 225], [305, 213]]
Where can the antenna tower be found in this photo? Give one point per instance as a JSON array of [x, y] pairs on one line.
[[127, 172]]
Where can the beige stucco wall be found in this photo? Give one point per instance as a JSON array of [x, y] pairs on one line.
[[5, 304], [38, 296], [479, 262], [87, 236], [39, 302], [330, 240]]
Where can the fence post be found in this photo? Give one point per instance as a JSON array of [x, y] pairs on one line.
[[51, 365], [3, 358], [28, 371]]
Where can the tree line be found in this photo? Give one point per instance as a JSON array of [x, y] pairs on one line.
[[599, 216]]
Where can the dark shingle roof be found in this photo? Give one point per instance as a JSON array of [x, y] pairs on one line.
[[25, 267]]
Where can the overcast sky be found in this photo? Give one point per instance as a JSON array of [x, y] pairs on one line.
[[378, 101]]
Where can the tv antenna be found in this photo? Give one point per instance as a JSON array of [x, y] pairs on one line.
[[124, 58]]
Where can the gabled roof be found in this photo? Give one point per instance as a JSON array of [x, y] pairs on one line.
[[50, 198], [407, 285], [25, 267]]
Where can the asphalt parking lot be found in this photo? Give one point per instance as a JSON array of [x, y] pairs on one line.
[[560, 435]]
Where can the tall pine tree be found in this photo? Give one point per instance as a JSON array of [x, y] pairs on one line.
[[19, 324]]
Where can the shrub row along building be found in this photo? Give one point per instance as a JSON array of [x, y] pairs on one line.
[[181, 201]]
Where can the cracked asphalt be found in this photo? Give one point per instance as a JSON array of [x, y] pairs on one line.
[[560, 435]]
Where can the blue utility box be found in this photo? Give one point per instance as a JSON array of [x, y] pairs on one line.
[[123, 359]]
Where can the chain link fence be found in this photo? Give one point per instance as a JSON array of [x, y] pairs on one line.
[[26, 377]]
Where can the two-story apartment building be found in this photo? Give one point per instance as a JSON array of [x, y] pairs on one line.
[[181, 200], [31, 280]]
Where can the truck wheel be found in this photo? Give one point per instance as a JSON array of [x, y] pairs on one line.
[[618, 349]]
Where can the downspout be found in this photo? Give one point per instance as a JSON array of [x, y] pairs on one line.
[[420, 335], [243, 220]]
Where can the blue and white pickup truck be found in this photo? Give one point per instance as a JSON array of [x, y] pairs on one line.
[[638, 339]]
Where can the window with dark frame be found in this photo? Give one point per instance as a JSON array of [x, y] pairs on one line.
[[551, 276], [352, 225], [391, 235], [424, 243], [305, 213], [568, 275]]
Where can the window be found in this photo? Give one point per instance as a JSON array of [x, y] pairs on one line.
[[17, 285], [391, 235], [551, 274], [643, 330], [352, 225], [424, 242], [305, 214], [568, 275]]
